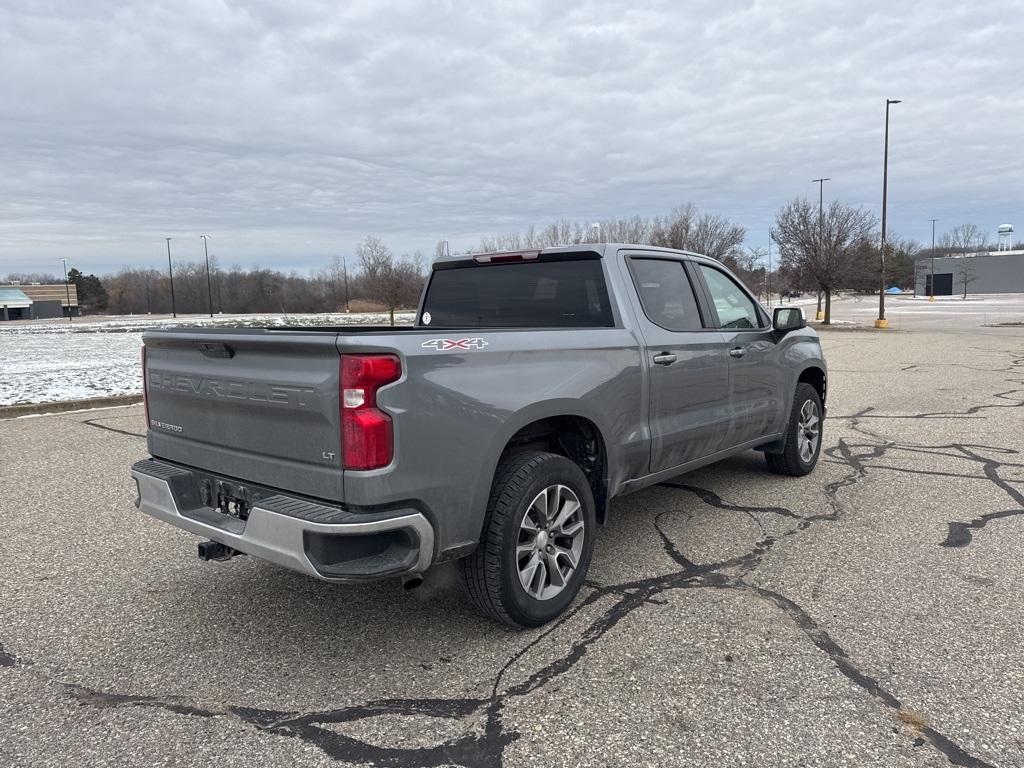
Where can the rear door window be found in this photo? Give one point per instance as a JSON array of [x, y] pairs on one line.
[[543, 293], [666, 293]]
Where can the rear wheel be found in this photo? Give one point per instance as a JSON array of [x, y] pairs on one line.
[[537, 541], [803, 435]]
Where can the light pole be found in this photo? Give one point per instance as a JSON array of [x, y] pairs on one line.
[[881, 322], [344, 271], [768, 279], [209, 283], [67, 287], [220, 301], [170, 271], [931, 291], [821, 198]]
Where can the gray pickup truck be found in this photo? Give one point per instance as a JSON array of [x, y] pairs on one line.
[[533, 388]]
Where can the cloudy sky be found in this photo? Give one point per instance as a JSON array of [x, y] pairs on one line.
[[288, 130]]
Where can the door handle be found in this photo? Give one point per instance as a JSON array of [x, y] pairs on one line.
[[737, 352], [665, 358]]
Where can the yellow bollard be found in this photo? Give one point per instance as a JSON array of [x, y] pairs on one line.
[[881, 323], [931, 298], [819, 315]]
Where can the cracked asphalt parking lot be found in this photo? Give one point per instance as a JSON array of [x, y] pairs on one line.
[[869, 614]]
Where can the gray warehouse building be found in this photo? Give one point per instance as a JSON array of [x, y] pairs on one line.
[[989, 272]]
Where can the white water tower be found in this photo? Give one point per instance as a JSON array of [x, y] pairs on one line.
[[1005, 237]]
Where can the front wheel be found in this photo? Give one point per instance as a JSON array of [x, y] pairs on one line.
[[803, 435], [537, 541]]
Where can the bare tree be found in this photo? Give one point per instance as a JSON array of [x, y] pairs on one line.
[[335, 277], [686, 228], [33, 277], [749, 265], [965, 273], [922, 273], [393, 282], [964, 239], [821, 260], [705, 233]]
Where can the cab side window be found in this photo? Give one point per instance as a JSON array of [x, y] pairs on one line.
[[666, 294], [734, 307]]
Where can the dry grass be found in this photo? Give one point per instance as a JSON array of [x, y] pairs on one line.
[[912, 719]]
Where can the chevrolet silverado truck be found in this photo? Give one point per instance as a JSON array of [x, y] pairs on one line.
[[533, 388]]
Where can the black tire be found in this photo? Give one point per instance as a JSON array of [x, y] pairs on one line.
[[491, 573], [790, 462]]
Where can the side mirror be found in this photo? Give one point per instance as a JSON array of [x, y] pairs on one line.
[[786, 319]]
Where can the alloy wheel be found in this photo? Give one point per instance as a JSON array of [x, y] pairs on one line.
[[550, 542]]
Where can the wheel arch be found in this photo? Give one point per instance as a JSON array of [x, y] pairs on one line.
[[567, 428], [815, 375]]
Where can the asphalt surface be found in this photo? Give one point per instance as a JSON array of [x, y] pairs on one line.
[[867, 615]]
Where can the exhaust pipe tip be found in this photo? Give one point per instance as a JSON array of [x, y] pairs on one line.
[[410, 583]]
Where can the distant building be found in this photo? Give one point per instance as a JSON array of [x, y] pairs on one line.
[[985, 272], [32, 302], [16, 305]]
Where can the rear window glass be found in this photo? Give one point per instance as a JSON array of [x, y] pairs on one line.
[[568, 293]]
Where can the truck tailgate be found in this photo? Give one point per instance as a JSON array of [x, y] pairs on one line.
[[255, 405]]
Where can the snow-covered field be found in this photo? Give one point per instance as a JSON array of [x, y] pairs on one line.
[[50, 361]]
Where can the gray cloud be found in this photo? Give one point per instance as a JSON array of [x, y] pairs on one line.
[[290, 130]]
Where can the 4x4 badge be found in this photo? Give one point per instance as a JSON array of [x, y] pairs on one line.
[[443, 345]]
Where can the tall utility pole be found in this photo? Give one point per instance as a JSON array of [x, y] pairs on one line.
[[768, 279], [170, 271], [881, 322], [67, 287], [931, 292], [344, 270], [209, 283], [821, 229], [220, 302]]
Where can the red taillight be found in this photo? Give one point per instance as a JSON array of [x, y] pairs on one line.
[[145, 387], [367, 439]]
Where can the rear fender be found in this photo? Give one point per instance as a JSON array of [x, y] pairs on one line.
[[536, 412]]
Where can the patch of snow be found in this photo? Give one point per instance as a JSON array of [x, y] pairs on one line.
[[52, 361]]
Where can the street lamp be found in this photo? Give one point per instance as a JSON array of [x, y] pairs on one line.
[[768, 277], [881, 322], [67, 287], [344, 267], [931, 292], [821, 197], [170, 271], [220, 302], [209, 283]]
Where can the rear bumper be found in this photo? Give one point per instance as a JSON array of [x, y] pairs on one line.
[[325, 542]]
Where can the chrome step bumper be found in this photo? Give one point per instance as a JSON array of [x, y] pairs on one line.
[[325, 542]]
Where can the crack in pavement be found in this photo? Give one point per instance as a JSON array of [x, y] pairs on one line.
[[486, 736]]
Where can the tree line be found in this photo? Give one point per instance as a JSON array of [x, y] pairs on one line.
[[831, 250], [376, 280]]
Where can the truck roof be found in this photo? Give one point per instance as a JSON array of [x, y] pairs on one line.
[[602, 249]]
